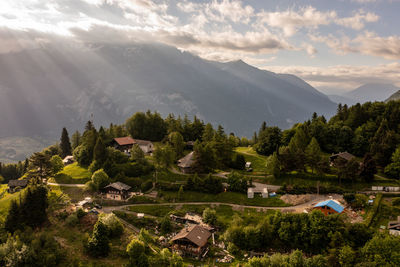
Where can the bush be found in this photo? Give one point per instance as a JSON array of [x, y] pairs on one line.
[[80, 213], [146, 186], [396, 201], [114, 226], [72, 220]]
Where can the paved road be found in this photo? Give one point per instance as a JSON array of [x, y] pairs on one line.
[[67, 185]]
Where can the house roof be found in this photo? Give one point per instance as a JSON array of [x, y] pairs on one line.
[[123, 141], [15, 183], [142, 142], [119, 186], [187, 161], [68, 158], [331, 204], [345, 155], [195, 234]]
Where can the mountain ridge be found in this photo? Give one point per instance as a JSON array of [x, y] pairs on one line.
[[66, 86]]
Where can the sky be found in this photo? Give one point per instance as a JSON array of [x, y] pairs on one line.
[[335, 45]]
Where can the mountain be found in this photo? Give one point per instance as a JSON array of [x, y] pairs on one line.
[[394, 97], [372, 92], [342, 100], [57, 85]]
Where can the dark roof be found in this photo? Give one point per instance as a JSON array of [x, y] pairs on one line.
[[15, 183], [123, 141], [345, 155], [187, 161], [142, 142], [331, 204], [119, 186], [195, 234]]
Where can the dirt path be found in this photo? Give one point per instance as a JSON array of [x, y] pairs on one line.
[[299, 208], [67, 185]]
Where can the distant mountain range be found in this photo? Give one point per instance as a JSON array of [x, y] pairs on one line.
[[44, 89], [366, 93], [394, 97]]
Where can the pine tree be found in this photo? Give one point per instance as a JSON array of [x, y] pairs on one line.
[[98, 244], [76, 139], [65, 144], [13, 221], [368, 168], [313, 154], [100, 152], [41, 165]]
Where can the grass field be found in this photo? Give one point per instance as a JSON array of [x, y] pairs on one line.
[[74, 194], [258, 162], [225, 197], [6, 199], [72, 174]]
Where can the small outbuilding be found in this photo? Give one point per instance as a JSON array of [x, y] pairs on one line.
[[191, 240], [117, 191], [329, 207], [186, 163], [394, 227], [16, 185], [125, 144], [68, 160], [342, 155]]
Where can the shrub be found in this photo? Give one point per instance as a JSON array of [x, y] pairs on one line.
[[146, 186], [72, 220], [113, 225], [80, 213]]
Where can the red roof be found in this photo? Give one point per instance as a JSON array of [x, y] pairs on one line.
[[123, 141]]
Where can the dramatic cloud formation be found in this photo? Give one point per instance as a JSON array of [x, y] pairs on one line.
[[260, 32]]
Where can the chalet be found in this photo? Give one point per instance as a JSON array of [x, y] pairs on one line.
[[394, 227], [68, 160], [117, 191], [191, 241], [343, 155], [329, 207], [16, 185], [186, 163], [125, 144]]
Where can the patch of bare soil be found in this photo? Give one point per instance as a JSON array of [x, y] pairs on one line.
[[296, 199]]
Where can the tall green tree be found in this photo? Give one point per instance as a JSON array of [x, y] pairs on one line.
[[100, 152], [393, 169], [269, 140], [75, 139], [368, 168], [56, 163], [98, 244], [65, 144], [13, 218], [313, 154], [41, 165], [178, 144], [273, 165]]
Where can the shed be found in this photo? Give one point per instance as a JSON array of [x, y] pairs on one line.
[[250, 192], [186, 163]]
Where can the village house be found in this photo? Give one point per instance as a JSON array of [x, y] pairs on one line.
[[186, 163], [329, 207], [16, 185], [68, 160], [125, 144], [394, 227], [117, 191], [253, 190], [191, 241], [342, 155]]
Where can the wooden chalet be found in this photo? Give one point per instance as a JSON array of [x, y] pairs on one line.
[[343, 155], [117, 191], [191, 241], [186, 163], [16, 185], [329, 207], [125, 144]]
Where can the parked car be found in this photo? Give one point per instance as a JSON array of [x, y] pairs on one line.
[[97, 206]]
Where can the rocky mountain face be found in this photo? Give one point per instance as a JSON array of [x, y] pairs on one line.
[[45, 89]]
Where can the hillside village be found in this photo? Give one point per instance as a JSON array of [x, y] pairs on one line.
[[179, 192]]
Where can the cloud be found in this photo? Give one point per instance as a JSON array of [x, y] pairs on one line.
[[358, 20], [291, 21], [345, 77], [367, 43]]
